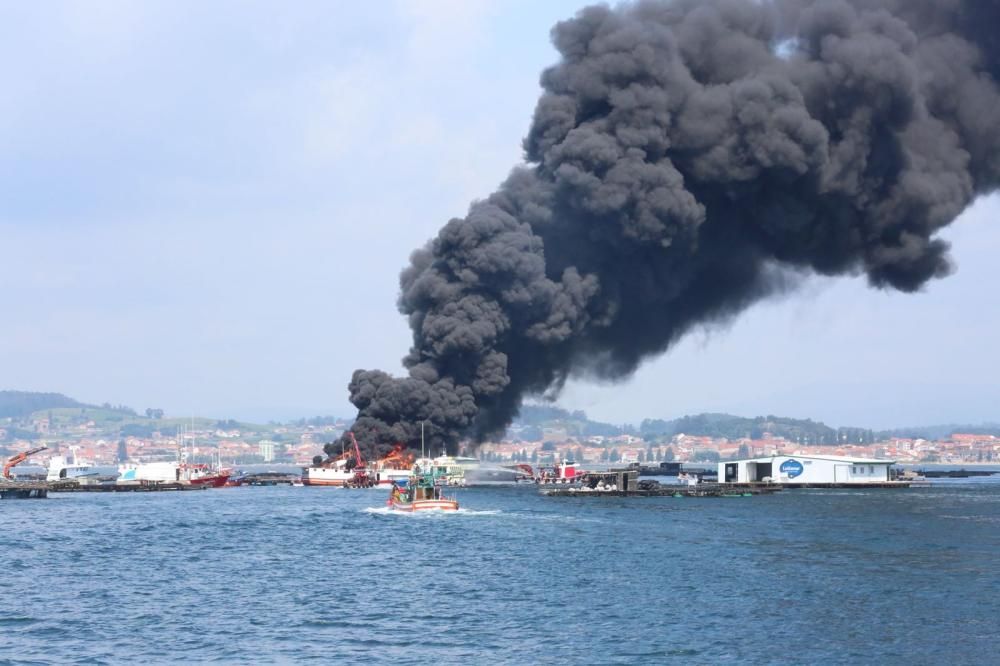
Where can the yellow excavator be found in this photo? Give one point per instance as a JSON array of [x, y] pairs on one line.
[[14, 461]]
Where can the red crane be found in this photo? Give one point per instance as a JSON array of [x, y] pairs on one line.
[[357, 451], [362, 479], [14, 461]]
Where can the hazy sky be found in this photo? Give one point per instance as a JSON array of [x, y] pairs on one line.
[[204, 207]]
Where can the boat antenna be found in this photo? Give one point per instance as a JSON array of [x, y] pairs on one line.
[[421, 439]]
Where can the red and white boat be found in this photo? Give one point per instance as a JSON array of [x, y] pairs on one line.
[[174, 472], [203, 475], [564, 473]]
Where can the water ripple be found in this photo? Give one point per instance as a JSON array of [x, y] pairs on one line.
[[282, 575]]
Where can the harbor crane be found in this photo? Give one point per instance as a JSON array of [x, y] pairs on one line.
[[362, 477], [16, 460]]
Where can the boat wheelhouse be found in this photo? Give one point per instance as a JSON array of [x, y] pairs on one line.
[[423, 492]]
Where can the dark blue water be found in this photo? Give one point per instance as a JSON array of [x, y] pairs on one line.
[[280, 575]]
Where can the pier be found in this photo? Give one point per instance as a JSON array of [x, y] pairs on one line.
[[41, 489], [700, 490], [23, 489], [626, 483], [141, 487], [269, 479]]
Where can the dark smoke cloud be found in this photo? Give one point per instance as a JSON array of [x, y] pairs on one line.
[[687, 159]]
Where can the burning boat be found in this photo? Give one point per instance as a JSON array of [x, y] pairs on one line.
[[394, 468], [349, 470]]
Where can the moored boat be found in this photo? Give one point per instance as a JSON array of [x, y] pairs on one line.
[[173, 472], [349, 470], [203, 475], [328, 474], [74, 468], [448, 470], [564, 473]]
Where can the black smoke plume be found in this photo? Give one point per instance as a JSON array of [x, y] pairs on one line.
[[687, 159]]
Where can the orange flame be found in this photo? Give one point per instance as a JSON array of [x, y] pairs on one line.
[[394, 458]]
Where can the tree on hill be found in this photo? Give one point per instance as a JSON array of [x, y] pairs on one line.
[[11, 434], [596, 428], [316, 421], [705, 455], [136, 430], [805, 431], [542, 414], [531, 433], [22, 403]]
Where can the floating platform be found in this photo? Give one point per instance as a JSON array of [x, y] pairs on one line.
[[23, 489], [849, 486], [954, 473], [269, 479], [700, 490], [122, 487]]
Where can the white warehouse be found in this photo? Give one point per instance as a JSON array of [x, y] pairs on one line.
[[806, 470]]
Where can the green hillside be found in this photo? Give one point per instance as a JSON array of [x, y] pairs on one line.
[[16, 404]]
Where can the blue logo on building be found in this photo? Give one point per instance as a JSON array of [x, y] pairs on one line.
[[792, 468]]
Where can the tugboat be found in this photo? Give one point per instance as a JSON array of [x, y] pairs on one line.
[[423, 492]]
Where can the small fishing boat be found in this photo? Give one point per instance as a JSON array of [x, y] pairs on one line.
[[423, 492]]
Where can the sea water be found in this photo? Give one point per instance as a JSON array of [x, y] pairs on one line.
[[328, 575]]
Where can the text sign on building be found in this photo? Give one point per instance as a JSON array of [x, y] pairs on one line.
[[792, 468]]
